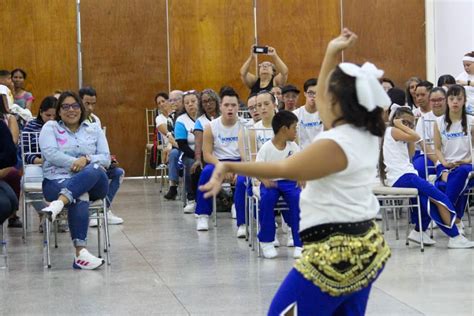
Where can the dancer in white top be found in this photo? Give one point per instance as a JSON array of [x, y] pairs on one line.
[[466, 79], [337, 204]]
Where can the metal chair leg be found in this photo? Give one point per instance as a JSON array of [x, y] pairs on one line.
[[25, 222], [214, 210], [4, 245], [145, 173], [99, 242], [46, 250], [422, 248], [56, 228]]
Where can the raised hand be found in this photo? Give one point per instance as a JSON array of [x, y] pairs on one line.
[[271, 51], [343, 41], [213, 186]]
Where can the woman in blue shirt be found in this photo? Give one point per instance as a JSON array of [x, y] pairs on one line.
[[75, 155]]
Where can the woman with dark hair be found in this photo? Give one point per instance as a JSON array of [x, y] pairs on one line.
[[269, 74], [453, 150], [208, 110], [183, 133], [446, 81], [22, 97], [410, 91], [75, 156], [387, 84], [337, 204]]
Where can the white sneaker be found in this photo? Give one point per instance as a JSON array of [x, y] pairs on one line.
[[276, 242], [113, 219], [415, 237], [290, 242], [233, 211], [460, 226], [53, 209], [190, 207], [86, 261], [297, 252], [460, 242], [379, 216], [242, 231], [268, 250], [93, 222], [202, 223]]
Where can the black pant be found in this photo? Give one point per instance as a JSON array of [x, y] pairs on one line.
[[8, 201]]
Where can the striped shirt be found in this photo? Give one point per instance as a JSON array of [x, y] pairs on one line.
[[30, 142]]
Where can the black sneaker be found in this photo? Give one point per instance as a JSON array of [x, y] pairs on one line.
[[172, 193], [15, 222]]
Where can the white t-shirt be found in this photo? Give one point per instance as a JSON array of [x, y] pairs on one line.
[[469, 91], [454, 143], [202, 122], [160, 120], [345, 196], [309, 126], [226, 140], [396, 158], [429, 121], [269, 152], [263, 134]]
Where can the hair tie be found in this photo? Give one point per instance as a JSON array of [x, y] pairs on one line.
[[370, 92], [468, 58]]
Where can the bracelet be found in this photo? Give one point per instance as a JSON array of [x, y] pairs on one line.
[[469, 83]]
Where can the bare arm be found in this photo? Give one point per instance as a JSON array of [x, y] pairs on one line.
[[14, 129], [247, 78], [403, 133], [438, 147], [198, 143], [281, 68], [208, 147], [331, 59], [318, 160]]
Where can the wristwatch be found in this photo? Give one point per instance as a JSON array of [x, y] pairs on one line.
[[88, 159]]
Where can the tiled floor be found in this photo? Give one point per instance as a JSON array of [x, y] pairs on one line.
[[162, 266]]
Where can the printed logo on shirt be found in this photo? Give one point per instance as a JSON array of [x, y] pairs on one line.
[[453, 135], [310, 124], [227, 140], [62, 141]]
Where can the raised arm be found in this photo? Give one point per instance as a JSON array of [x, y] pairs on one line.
[[247, 78], [331, 59], [281, 68]]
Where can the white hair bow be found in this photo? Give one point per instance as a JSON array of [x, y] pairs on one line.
[[370, 92], [393, 109]]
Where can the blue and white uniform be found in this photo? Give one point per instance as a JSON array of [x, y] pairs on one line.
[[424, 128], [202, 122], [401, 174], [269, 196], [183, 131], [455, 147], [226, 148], [309, 126]]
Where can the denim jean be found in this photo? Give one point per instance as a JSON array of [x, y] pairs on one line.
[[115, 176], [173, 170], [8, 201], [92, 180], [190, 189]]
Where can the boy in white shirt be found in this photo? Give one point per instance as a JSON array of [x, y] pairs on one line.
[[280, 147]]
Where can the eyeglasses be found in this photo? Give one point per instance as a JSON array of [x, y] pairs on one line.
[[67, 107], [311, 93], [208, 101], [437, 100], [265, 65], [290, 96]]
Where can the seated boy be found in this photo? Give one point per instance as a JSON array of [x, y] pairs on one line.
[[280, 147]]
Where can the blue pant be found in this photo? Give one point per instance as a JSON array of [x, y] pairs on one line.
[[268, 200], [173, 170], [427, 190], [419, 164], [204, 206], [8, 201], [310, 300], [115, 176], [93, 180], [456, 186]]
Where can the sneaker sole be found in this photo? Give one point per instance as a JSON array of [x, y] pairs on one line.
[[424, 242], [78, 267]]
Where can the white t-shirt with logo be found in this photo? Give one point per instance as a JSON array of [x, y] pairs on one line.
[[226, 140], [262, 134], [345, 196], [454, 142], [426, 122], [309, 126], [269, 152]]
